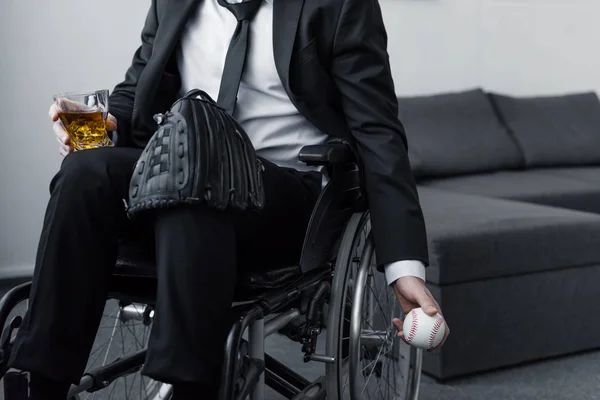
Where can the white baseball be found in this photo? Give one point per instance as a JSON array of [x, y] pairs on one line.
[[422, 330]]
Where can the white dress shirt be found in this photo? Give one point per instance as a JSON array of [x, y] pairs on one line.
[[274, 125]]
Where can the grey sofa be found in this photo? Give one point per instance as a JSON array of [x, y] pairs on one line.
[[510, 188]]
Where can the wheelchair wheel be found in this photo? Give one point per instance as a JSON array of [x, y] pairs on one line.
[[122, 336], [117, 355], [371, 362], [13, 311]]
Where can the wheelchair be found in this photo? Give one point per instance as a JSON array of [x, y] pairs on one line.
[[335, 297]]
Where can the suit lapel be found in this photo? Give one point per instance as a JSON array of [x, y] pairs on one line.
[[286, 16], [171, 24]]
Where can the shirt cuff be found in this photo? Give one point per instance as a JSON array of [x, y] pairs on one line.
[[403, 268]]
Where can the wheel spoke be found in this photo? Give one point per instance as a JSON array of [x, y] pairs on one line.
[[112, 391], [372, 370], [385, 315], [128, 334], [386, 364], [112, 337]]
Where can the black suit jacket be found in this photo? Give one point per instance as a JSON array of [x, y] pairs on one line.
[[331, 56]]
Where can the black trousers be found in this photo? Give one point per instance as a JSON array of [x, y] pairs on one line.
[[198, 251]]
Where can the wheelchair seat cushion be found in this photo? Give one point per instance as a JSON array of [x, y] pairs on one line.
[[135, 267], [137, 260], [268, 279]]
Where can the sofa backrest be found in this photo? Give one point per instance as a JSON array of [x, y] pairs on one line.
[[553, 130], [456, 133]]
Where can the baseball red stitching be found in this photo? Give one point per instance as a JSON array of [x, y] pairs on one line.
[[434, 331], [413, 327]]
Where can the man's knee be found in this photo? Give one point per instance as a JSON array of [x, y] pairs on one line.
[[81, 169], [95, 169], [84, 161]]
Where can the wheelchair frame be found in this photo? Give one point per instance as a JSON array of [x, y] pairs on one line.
[[263, 369], [296, 304]]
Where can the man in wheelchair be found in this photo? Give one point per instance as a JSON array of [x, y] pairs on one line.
[[309, 73]]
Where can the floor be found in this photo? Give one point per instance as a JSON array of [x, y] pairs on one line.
[[573, 377], [566, 378]]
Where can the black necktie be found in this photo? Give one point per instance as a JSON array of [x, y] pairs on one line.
[[236, 54]]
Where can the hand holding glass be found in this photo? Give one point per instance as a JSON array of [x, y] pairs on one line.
[[83, 116]]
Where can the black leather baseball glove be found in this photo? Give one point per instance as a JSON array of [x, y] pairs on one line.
[[199, 154]]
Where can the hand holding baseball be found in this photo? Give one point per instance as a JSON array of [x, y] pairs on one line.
[[413, 295]]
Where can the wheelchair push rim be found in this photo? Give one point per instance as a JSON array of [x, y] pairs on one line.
[[371, 362]]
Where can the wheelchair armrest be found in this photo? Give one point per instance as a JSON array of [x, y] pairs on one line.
[[327, 154]]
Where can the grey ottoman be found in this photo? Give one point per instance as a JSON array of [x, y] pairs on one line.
[[572, 188], [517, 282]]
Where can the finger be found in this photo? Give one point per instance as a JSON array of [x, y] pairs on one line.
[[403, 338], [427, 302], [405, 304], [53, 112], [65, 104], [66, 143], [111, 123], [63, 152], [400, 329], [446, 334], [435, 302], [61, 133], [399, 325], [440, 344], [68, 147]]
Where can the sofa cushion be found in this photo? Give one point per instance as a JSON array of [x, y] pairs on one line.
[[534, 186], [474, 237], [583, 174], [553, 131], [456, 133]]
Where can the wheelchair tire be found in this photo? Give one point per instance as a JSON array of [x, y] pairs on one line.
[[123, 331], [371, 361]]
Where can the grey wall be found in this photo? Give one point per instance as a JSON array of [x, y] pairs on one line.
[[524, 46], [517, 46], [49, 47]]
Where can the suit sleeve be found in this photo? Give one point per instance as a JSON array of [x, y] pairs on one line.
[[121, 100], [361, 71]]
